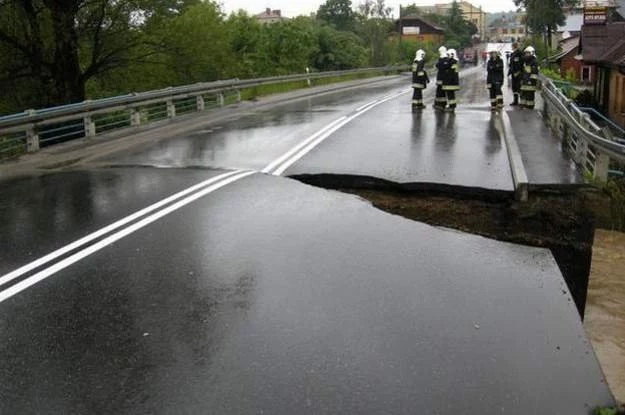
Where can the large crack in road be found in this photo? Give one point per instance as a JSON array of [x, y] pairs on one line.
[[562, 222]]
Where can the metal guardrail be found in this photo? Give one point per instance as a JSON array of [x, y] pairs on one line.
[[590, 149], [32, 129]]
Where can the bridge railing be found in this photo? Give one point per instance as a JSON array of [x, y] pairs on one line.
[[593, 150], [32, 129]]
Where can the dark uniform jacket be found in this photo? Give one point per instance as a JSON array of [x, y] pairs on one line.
[[442, 66], [419, 75], [452, 78], [516, 63], [494, 69], [529, 75]]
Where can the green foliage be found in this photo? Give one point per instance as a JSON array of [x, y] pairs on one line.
[[458, 31], [338, 50], [337, 13], [409, 9], [605, 411], [136, 45], [544, 16]]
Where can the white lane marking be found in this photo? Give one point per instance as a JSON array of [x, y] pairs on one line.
[[366, 105], [289, 153], [82, 241], [328, 132], [41, 275], [291, 157]]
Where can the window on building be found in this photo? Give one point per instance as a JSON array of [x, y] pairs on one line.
[[505, 31], [513, 31], [521, 30], [586, 74]]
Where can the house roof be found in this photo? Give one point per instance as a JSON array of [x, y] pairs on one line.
[[568, 46], [599, 39], [421, 19]]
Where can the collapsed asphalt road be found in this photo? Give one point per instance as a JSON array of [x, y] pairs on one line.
[[253, 293]]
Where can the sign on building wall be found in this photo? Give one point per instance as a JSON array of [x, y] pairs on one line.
[[411, 30], [595, 15]]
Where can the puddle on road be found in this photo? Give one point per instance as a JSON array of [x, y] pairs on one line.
[[605, 309]]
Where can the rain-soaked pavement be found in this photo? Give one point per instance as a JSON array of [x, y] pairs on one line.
[[271, 296]]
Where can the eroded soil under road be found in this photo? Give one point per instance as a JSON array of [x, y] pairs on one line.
[[563, 222]]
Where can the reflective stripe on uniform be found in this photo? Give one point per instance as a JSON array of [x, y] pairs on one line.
[[418, 86], [440, 99], [451, 88], [500, 97], [452, 102], [421, 73], [417, 101], [528, 88], [534, 76], [439, 82]]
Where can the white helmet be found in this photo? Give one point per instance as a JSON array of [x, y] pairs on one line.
[[420, 55], [530, 50], [452, 53], [442, 51]]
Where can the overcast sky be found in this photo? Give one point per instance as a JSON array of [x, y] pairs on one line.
[[291, 8]]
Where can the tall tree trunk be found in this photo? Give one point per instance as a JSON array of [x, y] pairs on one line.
[[68, 83]]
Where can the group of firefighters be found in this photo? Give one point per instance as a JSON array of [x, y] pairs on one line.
[[522, 68]]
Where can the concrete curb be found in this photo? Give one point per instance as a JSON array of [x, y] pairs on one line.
[[519, 175]]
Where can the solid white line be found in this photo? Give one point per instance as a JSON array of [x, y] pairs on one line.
[[278, 171], [296, 148], [366, 105], [35, 278], [82, 241]]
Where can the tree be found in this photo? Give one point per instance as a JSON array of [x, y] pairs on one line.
[[458, 31], [338, 50], [58, 45], [408, 10], [374, 9], [197, 45], [544, 16], [337, 13]]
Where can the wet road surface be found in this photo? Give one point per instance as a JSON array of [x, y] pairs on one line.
[[388, 141], [243, 302], [270, 296]]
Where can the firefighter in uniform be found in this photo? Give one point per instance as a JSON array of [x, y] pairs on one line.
[[451, 84], [442, 67], [494, 79], [529, 78], [419, 79], [515, 67]]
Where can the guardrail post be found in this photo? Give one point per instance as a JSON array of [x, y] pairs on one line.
[[135, 117], [602, 166], [221, 99], [171, 109], [89, 126], [200, 103], [581, 151], [32, 138], [238, 96]]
